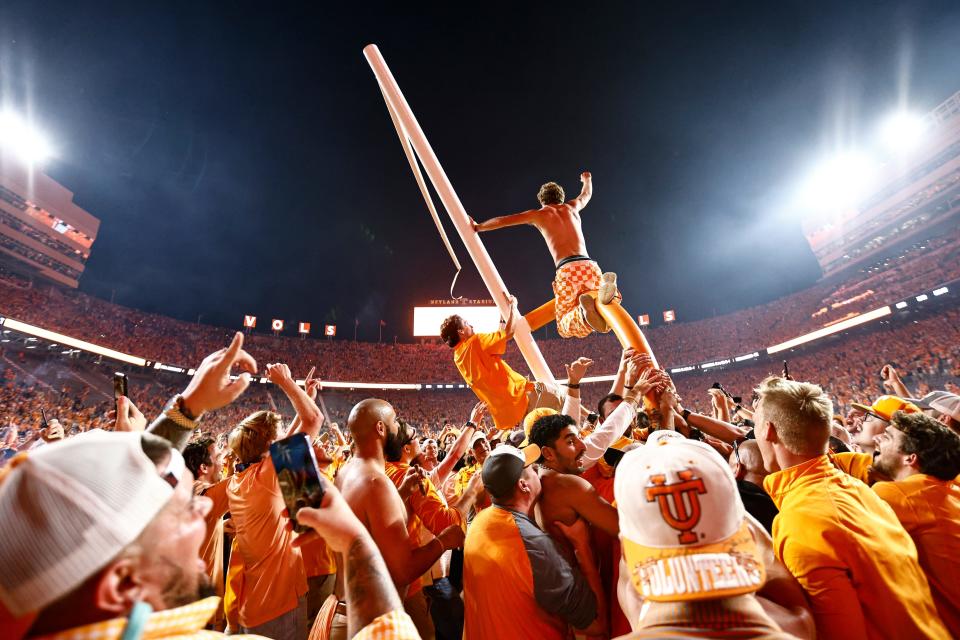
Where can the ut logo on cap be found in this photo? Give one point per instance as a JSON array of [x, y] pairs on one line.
[[673, 508]]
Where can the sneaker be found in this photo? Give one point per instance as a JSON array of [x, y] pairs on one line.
[[608, 288], [588, 308]]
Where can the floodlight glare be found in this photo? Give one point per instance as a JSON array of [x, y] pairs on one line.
[[840, 182], [20, 138], [902, 131]]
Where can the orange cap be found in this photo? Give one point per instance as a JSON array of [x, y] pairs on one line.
[[885, 406]]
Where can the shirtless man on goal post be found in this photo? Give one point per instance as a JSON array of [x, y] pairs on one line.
[[559, 224]]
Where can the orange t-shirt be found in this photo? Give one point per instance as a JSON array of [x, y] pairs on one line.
[[504, 390], [929, 509], [517, 584], [212, 549], [273, 572], [318, 558]]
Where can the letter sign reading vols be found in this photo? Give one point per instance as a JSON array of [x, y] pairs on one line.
[[330, 330], [249, 321], [643, 320], [276, 325], [669, 315], [304, 328]]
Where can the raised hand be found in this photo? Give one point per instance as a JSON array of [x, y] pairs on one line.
[[577, 369], [129, 417], [412, 479], [479, 410], [312, 385], [211, 386]]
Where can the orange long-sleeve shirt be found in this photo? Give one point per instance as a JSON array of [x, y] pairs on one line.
[[846, 548], [480, 361], [929, 509]]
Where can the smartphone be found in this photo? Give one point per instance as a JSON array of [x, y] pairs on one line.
[[786, 370], [297, 474], [43, 418], [119, 385]]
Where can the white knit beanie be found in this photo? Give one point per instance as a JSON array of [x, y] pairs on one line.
[[67, 510]]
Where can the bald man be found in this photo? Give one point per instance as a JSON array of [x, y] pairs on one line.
[[379, 505], [747, 465]]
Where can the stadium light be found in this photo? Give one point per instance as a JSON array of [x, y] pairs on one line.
[[839, 182], [832, 329], [902, 131], [922, 297], [941, 291], [901, 305], [23, 140]]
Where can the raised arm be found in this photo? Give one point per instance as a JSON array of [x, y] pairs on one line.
[[586, 193], [210, 388], [307, 410], [511, 326], [575, 373], [524, 217], [460, 445]]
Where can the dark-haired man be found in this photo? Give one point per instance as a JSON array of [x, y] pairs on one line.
[[566, 496], [922, 457], [479, 358], [516, 581], [559, 224], [204, 458]]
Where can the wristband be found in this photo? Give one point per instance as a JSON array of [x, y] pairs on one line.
[[176, 412], [470, 423], [572, 386], [686, 414], [626, 386]]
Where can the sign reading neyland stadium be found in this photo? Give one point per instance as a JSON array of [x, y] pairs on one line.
[[461, 302]]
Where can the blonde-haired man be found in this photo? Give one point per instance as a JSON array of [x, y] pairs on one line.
[[838, 538]]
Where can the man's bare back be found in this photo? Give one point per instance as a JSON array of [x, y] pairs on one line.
[[558, 223]]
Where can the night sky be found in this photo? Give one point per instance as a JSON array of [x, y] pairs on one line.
[[241, 159]]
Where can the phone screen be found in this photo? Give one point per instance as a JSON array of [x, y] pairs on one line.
[[119, 385], [297, 474]]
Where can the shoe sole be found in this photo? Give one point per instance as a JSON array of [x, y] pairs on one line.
[[590, 315], [608, 288]]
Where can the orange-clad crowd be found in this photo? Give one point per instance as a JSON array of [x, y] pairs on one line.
[[818, 499]]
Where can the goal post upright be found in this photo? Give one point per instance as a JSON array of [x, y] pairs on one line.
[[403, 116]]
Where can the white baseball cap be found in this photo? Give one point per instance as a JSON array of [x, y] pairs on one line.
[[67, 509], [682, 524], [949, 404]]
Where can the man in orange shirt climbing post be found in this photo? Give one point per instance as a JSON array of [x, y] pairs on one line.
[[479, 358]]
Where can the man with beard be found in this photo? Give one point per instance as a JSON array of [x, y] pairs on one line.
[[379, 504], [922, 456], [566, 496], [481, 449], [876, 419]]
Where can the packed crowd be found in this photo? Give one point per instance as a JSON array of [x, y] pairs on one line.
[[526, 517], [158, 337]]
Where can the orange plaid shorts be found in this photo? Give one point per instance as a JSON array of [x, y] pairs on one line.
[[574, 279]]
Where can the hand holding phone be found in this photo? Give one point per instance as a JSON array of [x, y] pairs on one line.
[[298, 475], [119, 385]]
